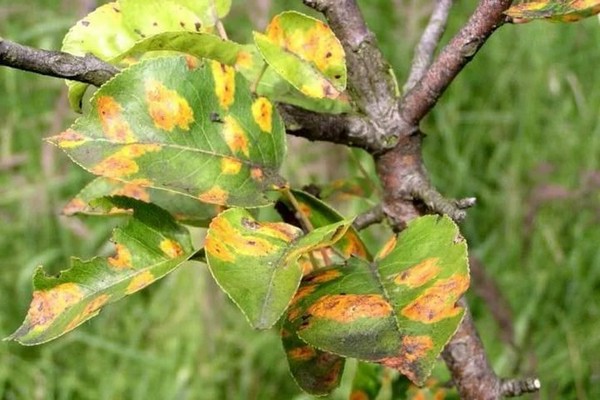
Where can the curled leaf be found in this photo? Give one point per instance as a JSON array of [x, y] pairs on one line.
[[554, 10]]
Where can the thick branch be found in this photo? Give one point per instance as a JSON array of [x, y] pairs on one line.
[[370, 80], [349, 130], [467, 361], [88, 69], [428, 43], [462, 48]]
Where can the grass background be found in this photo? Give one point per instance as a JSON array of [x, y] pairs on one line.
[[519, 129]]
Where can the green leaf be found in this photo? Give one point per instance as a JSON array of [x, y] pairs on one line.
[[184, 209], [196, 132], [150, 246], [306, 53], [399, 310], [367, 381], [257, 263], [554, 10], [321, 214], [315, 371], [197, 44], [110, 31]]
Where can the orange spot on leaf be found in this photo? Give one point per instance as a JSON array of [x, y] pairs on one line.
[[412, 351], [358, 395], [69, 139], [419, 274], [74, 206], [171, 248], [122, 259], [224, 77], [139, 282], [121, 163], [219, 229], [167, 108], [387, 248], [214, 195], [325, 276], [257, 174], [350, 307], [262, 111], [114, 125], [304, 353], [47, 305], [243, 60], [438, 302], [234, 136]]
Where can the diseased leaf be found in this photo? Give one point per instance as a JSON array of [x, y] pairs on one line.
[[272, 85], [256, 263], [321, 214], [196, 132], [306, 53], [554, 10], [367, 381], [113, 29], [315, 371], [183, 208], [150, 246], [398, 311]]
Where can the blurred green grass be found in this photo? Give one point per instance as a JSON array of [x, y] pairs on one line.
[[519, 129]]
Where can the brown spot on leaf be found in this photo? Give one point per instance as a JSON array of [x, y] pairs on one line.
[[412, 351], [419, 274], [303, 353], [167, 108], [350, 307], [438, 302]]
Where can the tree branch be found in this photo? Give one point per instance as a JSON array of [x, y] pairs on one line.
[[373, 216], [88, 69], [462, 48], [428, 43], [370, 80]]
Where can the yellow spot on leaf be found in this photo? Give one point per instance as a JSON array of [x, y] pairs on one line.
[[278, 230], [230, 166], [114, 125], [69, 139], [219, 228], [121, 163], [224, 77], [134, 189], [304, 353], [234, 136], [167, 108], [419, 274], [387, 248], [438, 302], [346, 308], [90, 310], [171, 248], [353, 246], [122, 259], [47, 305], [262, 111], [243, 60], [214, 195], [139, 282]]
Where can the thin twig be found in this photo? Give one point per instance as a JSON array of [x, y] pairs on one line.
[[88, 69], [428, 43], [373, 216], [487, 17], [516, 387]]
